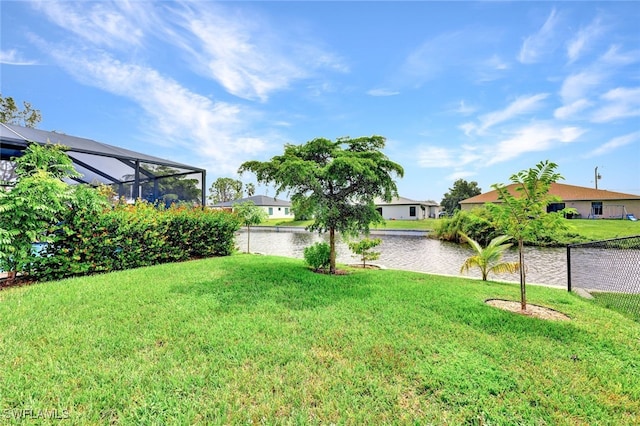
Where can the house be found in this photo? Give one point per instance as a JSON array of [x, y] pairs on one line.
[[275, 208], [589, 203], [406, 209]]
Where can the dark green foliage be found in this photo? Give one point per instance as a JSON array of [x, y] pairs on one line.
[[225, 189], [318, 256], [478, 224], [36, 201], [461, 191], [333, 182], [91, 240]]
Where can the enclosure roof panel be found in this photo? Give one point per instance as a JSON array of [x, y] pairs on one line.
[[14, 133]]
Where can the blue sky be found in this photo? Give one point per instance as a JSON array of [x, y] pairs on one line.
[[471, 90]]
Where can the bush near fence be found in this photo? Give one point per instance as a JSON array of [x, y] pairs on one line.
[[91, 241], [609, 270]]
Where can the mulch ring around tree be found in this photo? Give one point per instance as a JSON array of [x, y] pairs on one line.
[[532, 310]]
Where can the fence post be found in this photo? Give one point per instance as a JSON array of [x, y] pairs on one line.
[[569, 268]]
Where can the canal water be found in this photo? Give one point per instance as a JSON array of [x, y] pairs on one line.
[[547, 266]]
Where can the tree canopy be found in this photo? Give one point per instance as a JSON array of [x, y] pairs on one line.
[[11, 114], [461, 190], [334, 182], [225, 189]]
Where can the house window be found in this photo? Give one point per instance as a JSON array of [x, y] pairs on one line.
[[596, 208], [412, 211], [270, 211], [555, 207], [379, 210], [286, 210]]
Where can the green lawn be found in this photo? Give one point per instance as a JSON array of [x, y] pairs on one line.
[[604, 229], [259, 339], [593, 230]]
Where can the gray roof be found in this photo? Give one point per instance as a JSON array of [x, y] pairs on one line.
[[258, 200], [97, 162]]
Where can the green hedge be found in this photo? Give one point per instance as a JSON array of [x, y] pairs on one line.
[[92, 240]]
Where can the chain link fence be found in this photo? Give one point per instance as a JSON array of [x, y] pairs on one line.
[[609, 270]]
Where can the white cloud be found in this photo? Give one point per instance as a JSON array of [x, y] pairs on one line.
[[436, 157], [13, 57], [582, 39], [114, 24], [620, 103], [249, 57], [539, 44], [463, 108], [460, 175], [578, 86], [522, 105], [216, 131], [614, 56], [532, 138], [491, 69], [613, 144], [570, 111], [382, 92]]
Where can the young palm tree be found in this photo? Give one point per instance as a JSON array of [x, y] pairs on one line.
[[488, 259]]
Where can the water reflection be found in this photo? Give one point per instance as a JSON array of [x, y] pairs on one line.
[[420, 254]]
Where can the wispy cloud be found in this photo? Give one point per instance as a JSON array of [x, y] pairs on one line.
[[571, 110], [176, 115], [614, 144], [13, 57], [247, 55], [382, 92], [539, 44], [580, 43], [522, 105], [113, 24], [491, 69], [532, 138], [620, 103], [436, 157], [577, 86]]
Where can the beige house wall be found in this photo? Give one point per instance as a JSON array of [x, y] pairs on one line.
[[611, 209]]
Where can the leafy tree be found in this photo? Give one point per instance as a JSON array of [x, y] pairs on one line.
[[524, 214], [461, 191], [488, 259], [335, 182], [251, 189], [225, 189], [11, 114], [363, 248], [36, 202], [249, 214]]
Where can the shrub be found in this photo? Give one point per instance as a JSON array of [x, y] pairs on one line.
[[92, 240], [318, 256], [363, 249]]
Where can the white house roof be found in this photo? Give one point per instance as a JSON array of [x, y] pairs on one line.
[[258, 200]]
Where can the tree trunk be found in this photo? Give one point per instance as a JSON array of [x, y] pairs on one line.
[[523, 281], [332, 251]]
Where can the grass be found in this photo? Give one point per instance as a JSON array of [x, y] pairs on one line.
[[628, 304], [258, 339], [601, 229], [592, 230]]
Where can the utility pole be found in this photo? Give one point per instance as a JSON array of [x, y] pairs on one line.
[[596, 177]]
